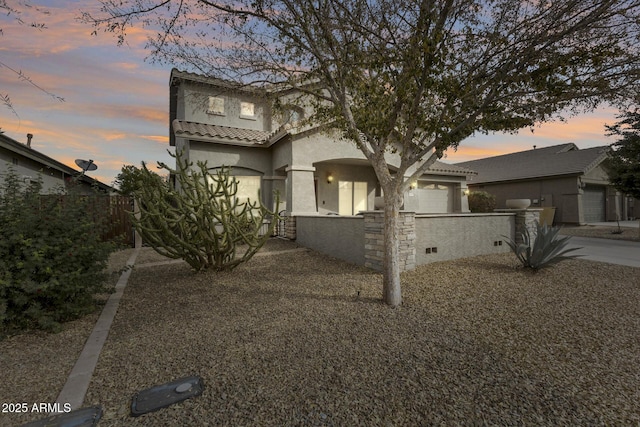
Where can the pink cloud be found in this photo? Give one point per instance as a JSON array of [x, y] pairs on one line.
[[160, 139]]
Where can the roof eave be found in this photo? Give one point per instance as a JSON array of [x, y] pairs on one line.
[[531, 178], [219, 140]]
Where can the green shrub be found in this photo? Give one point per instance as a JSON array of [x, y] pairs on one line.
[[52, 259], [481, 202], [547, 249]]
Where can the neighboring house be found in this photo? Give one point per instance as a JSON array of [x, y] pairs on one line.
[[31, 164], [561, 176], [268, 149]]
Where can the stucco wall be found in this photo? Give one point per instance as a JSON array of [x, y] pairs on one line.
[[52, 180], [216, 155], [454, 235], [195, 99], [461, 235], [597, 175], [338, 236], [319, 146]]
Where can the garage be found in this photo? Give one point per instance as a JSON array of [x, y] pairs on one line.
[[594, 202], [431, 198]]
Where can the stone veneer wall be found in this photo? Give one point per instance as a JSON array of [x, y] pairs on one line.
[[374, 240], [290, 227]]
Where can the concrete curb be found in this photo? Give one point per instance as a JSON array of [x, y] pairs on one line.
[[77, 384]]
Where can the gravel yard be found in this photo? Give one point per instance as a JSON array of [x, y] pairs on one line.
[[35, 365], [298, 338], [602, 232]]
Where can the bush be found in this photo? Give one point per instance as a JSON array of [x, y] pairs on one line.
[[52, 259], [481, 202], [547, 249]]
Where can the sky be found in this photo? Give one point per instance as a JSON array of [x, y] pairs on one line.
[[116, 103]]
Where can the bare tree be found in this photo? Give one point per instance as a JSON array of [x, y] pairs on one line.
[[413, 77], [14, 11]]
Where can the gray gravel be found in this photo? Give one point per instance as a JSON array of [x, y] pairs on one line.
[[35, 365], [303, 339], [602, 232]]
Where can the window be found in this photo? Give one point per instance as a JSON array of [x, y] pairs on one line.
[[294, 115], [247, 109], [248, 188], [352, 197], [216, 105]]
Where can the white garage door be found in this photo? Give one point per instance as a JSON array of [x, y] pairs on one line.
[[429, 200], [593, 203]]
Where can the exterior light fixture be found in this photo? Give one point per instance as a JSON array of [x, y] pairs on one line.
[[414, 185], [465, 191], [329, 178]]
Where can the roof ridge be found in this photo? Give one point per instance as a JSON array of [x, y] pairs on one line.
[[565, 148]]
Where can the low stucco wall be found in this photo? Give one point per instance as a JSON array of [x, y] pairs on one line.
[[461, 235], [338, 236]]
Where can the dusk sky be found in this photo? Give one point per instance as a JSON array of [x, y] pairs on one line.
[[115, 109]]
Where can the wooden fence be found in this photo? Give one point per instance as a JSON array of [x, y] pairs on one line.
[[117, 208], [119, 220]]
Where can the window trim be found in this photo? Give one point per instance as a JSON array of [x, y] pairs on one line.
[[213, 112], [248, 116]]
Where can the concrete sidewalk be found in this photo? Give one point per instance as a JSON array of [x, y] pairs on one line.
[[620, 252]]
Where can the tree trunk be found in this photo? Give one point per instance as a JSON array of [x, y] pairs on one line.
[[391, 292]]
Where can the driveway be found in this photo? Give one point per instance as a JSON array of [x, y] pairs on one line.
[[606, 250]]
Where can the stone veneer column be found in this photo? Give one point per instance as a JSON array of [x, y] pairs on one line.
[[290, 228], [374, 240], [525, 220]]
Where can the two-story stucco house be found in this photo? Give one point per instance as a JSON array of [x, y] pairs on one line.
[[314, 171]]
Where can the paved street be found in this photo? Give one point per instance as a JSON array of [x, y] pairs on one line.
[[606, 250]]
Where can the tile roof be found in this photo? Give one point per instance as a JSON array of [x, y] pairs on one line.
[[231, 134], [557, 160], [447, 168], [177, 75]]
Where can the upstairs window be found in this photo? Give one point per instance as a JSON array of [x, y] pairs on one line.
[[294, 115], [216, 105], [247, 110]]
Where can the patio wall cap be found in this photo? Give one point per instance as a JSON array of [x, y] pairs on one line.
[[317, 215], [520, 210], [469, 214], [382, 211]]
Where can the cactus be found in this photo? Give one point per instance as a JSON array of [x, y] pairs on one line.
[[199, 219]]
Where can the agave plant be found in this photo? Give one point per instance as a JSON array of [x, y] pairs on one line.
[[547, 248]]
